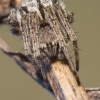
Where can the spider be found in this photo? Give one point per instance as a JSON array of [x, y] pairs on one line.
[[44, 25]]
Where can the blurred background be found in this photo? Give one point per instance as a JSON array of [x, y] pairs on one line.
[[15, 84]]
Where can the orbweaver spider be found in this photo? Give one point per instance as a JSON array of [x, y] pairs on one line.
[[46, 32]]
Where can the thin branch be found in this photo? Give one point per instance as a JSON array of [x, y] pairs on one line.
[[93, 93]]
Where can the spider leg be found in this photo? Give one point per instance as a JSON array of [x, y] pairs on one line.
[[21, 18], [24, 29], [33, 33], [76, 54], [62, 16], [70, 17], [23, 22], [12, 21], [34, 18], [65, 23], [33, 22]]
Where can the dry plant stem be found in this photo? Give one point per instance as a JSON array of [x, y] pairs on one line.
[[23, 62], [67, 86], [93, 93]]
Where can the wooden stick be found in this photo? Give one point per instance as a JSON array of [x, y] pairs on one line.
[[64, 83]]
